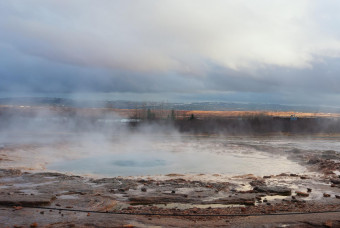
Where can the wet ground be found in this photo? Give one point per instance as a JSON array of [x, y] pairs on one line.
[[41, 198]]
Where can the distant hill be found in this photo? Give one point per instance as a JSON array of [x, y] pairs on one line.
[[204, 106]]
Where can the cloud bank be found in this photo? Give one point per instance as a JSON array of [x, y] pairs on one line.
[[170, 45]]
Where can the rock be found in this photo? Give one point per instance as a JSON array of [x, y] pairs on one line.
[[248, 191], [17, 207], [326, 195], [10, 172], [249, 203], [170, 198], [329, 154], [173, 191], [335, 181], [309, 190], [33, 225], [245, 199], [313, 161], [329, 172], [303, 194], [26, 200], [257, 183], [279, 190], [328, 224]]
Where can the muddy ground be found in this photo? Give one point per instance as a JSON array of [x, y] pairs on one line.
[[32, 199]]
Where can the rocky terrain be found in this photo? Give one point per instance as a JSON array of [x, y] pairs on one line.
[[57, 200]]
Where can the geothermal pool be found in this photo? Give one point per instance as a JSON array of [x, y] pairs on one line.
[[152, 154], [184, 155]]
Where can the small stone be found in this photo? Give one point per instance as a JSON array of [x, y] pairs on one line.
[[335, 181], [328, 224], [143, 189], [303, 194], [173, 191], [309, 190], [326, 195], [34, 225], [337, 196], [249, 202]]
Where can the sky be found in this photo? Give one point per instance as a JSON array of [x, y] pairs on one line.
[[261, 51]]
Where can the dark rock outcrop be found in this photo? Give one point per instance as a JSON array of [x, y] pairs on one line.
[[279, 190]]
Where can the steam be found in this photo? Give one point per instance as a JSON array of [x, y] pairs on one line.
[[39, 136], [101, 141]]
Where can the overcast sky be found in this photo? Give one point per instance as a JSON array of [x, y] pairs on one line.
[[234, 50]]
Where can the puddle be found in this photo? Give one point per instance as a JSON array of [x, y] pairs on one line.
[[183, 206], [68, 197], [271, 199]]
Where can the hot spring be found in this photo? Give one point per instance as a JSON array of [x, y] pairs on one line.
[[184, 155], [152, 154]]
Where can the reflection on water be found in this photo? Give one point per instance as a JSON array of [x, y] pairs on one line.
[[131, 163], [163, 155]]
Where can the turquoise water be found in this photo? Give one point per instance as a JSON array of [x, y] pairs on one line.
[[163, 155]]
